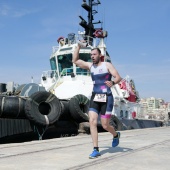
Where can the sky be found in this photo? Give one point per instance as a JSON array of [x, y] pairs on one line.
[[138, 39]]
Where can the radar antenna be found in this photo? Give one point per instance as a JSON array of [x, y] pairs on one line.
[[89, 26]]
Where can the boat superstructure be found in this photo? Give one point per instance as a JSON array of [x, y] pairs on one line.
[[66, 80]]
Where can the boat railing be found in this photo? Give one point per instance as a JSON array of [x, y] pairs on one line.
[[80, 71], [69, 71], [49, 74], [90, 40], [66, 72], [73, 39], [55, 48]]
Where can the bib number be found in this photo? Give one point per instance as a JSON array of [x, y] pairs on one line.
[[100, 98]]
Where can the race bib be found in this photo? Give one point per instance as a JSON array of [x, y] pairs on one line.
[[100, 98]]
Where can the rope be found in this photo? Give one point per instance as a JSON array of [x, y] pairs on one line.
[[40, 135], [50, 98], [19, 109], [2, 107], [46, 120]]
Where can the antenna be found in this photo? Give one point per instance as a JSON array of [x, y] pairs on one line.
[[32, 79], [89, 26]]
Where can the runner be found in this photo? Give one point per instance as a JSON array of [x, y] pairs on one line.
[[102, 99]]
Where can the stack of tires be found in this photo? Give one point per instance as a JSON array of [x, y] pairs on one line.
[[43, 109]]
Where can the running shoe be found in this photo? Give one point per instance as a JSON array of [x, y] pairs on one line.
[[115, 141], [94, 154]]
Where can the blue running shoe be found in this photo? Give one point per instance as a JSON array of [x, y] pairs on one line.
[[115, 141], [94, 154]]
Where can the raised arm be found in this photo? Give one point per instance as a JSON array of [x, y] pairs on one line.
[[80, 63]]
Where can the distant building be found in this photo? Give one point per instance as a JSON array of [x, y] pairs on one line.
[[144, 104], [168, 107], [153, 103], [153, 108]]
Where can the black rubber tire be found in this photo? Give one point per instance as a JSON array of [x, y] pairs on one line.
[[116, 123], [65, 113], [79, 106], [12, 107], [40, 104]]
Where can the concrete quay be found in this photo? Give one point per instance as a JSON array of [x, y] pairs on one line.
[[141, 149]]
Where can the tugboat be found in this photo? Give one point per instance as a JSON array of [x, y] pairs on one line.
[[65, 90], [66, 81]]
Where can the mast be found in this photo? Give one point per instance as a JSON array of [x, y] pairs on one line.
[[89, 26]]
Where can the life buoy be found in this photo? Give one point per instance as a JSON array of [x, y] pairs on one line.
[[43, 108], [78, 106], [98, 33], [59, 39]]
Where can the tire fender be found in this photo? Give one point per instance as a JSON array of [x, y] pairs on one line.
[[79, 106], [116, 123], [43, 108]]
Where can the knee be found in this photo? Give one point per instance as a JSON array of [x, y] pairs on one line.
[[93, 121], [105, 126]]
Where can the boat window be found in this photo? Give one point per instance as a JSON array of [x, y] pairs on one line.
[[126, 114], [108, 60], [85, 57], [121, 113], [65, 64], [53, 63]]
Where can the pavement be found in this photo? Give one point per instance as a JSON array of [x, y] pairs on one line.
[[141, 149]]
